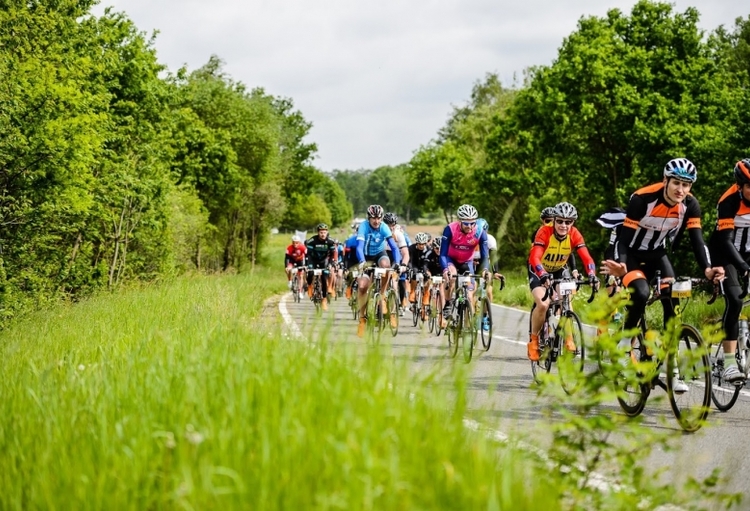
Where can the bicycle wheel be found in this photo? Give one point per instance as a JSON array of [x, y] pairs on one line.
[[690, 364], [317, 296], [570, 363], [451, 333], [485, 319], [392, 316], [632, 393], [295, 288], [374, 317], [468, 331], [723, 393], [417, 306], [544, 364], [437, 313]]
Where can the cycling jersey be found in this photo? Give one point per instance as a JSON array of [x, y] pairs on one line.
[[651, 221], [418, 258], [295, 254], [320, 251], [550, 254], [371, 241], [350, 251], [730, 241], [458, 247]]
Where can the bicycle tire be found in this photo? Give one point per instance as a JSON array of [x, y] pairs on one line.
[[451, 335], [631, 395], [691, 361], [374, 314], [317, 296], [295, 288], [570, 364], [468, 331], [438, 312], [723, 393], [392, 303], [417, 306], [486, 313]]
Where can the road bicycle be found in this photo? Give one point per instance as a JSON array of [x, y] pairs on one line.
[[297, 280], [435, 309], [686, 361], [723, 393], [484, 308], [460, 324], [562, 330], [382, 307]]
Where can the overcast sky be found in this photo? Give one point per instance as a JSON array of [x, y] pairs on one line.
[[376, 79]]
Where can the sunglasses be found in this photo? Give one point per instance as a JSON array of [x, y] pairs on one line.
[[469, 224], [564, 222]]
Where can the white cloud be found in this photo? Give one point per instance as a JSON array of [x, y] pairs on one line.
[[376, 79]]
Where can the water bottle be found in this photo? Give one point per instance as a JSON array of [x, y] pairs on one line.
[[617, 318], [554, 320]]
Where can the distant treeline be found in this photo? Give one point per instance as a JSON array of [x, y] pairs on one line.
[[114, 169], [625, 94]]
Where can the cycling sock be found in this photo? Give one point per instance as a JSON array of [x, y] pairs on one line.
[[729, 360]]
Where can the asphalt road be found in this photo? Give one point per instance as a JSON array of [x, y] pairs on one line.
[[501, 382]]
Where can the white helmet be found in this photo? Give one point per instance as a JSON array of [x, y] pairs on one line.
[[296, 238], [467, 212]]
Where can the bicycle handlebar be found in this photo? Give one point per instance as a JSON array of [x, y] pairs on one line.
[[579, 283]]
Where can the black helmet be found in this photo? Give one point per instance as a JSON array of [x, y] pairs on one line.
[[322, 227], [390, 218], [548, 213], [742, 172]]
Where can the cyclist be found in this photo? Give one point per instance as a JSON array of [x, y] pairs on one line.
[[402, 242], [553, 245], [492, 249], [418, 263], [295, 257], [730, 248], [655, 215], [350, 260], [372, 238], [336, 267], [457, 251], [321, 250]]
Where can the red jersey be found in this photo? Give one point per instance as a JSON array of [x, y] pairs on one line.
[[296, 252]]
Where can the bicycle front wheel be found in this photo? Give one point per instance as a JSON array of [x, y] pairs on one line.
[[436, 313], [468, 331], [374, 317], [485, 323], [632, 392], [723, 393], [689, 380], [392, 316], [416, 306], [572, 352]]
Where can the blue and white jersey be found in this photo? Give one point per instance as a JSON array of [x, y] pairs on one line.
[[374, 239]]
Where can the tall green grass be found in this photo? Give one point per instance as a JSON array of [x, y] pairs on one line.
[[187, 396]]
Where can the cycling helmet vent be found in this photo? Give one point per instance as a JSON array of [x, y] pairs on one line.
[[375, 211], [566, 210], [467, 212], [421, 238], [682, 169], [390, 218]]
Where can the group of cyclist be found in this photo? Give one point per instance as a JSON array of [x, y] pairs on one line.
[[655, 217]]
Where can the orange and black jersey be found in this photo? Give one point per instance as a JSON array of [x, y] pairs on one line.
[[730, 241], [650, 221], [550, 254]]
